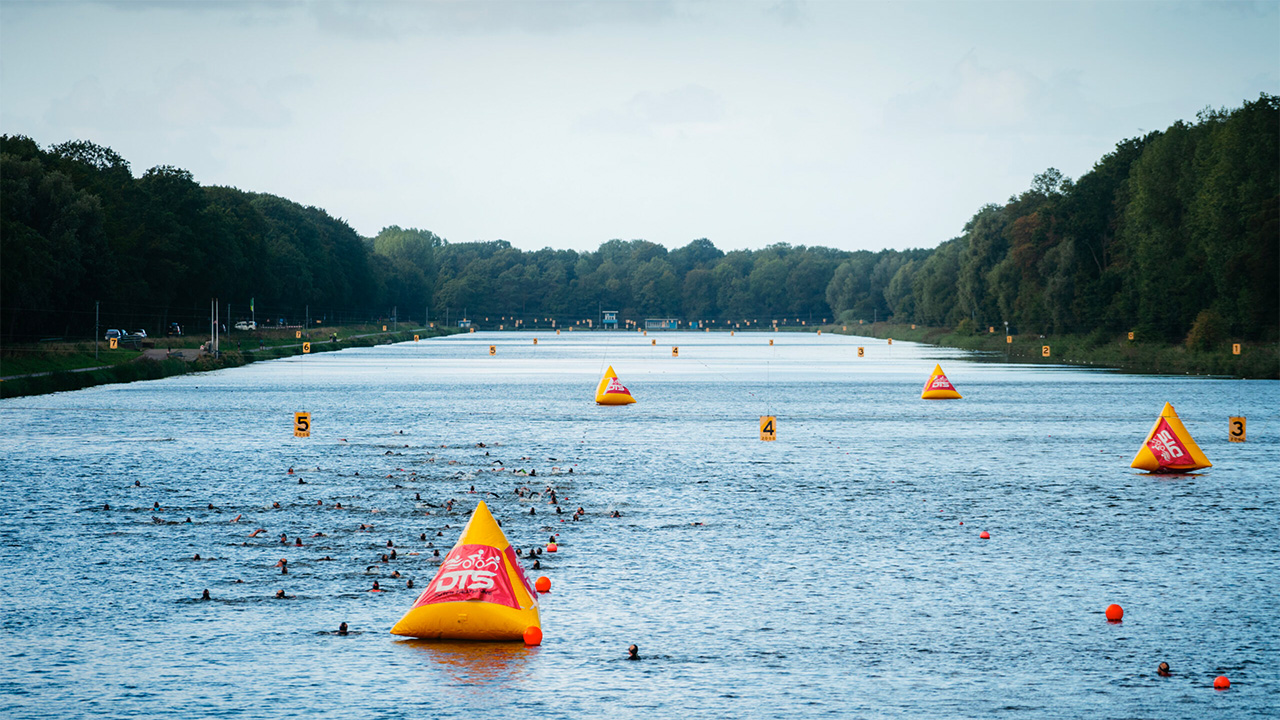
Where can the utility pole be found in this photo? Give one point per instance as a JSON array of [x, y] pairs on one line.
[[395, 318], [96, 306]]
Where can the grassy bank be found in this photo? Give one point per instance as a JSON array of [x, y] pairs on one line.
[[1256, 360], [129, 365]]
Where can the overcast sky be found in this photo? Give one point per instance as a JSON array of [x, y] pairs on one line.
[[564, 124]]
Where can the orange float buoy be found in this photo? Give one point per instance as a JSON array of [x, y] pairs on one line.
[[1114, 613], [1221, 683], [543, 584], [552, 547], [533, 635], [984, 535]]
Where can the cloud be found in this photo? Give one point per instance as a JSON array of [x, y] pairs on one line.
[[975, 98], [690, 105], [184, 97]]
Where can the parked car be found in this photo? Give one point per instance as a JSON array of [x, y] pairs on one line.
[[114, 335], [246, 325], [140, 333], [174, 329]]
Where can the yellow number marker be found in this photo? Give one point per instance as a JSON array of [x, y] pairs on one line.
[[768, 428], [1235, 348], [1008, 339], [493, 349], [890, 341], [675, 351], [535, 341], [1130, 334], [1044, 350], [861, 351], [415, 338], [1236, 429], [302, 424], [770, 342], [306, 347], [114, 343], [297, 334]]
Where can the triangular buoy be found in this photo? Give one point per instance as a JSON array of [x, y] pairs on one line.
[[480, 591], [611, 392], [939, 387], [1169, 447]]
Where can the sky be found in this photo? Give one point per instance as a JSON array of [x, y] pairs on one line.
[[854, 125]]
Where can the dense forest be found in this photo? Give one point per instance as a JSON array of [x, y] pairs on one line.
[[1175, 234]]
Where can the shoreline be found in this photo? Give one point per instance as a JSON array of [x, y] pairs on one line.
[[1256, 361], [146, 368]]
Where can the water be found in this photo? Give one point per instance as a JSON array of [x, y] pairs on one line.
[[826, 574]]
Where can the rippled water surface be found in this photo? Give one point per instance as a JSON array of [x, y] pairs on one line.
[[836, 572]]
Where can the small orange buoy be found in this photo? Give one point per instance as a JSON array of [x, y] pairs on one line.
[[552, 547], [984, 535], [1114, 613], [533, 635], [543, 584], [1221, 683]]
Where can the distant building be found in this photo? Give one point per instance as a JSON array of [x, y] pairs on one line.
[[661, 324], [610, 321], [464, 323]]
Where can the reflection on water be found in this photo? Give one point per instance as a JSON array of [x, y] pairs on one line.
[[835, 572], [472, 664]]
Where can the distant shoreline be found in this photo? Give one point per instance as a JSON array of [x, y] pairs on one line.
[[43, 382], [1259, 361]]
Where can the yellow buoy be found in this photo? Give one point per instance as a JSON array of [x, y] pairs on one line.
[[938, 387], [611, 392], [1169, 447], [480, 591]]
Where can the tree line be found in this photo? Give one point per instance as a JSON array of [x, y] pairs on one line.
[[1175, 235]]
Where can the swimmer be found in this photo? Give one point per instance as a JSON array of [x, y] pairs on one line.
[[137, 483], [210, 506], [284, 540], [1163, 670], [196, 557], [290, 471], [532, 511], [297, 542], [279, 594], [409, 584], [275, 505], [386, 559], [473, 489], [537, 564], [338, 506], [395, 574], [236, 518], [205, 595], [375, 587], [389, 544], [393, 554], [301, 481], [437, 553], [255, 533], [284, 570], [320, 502], [580, 511], [325, 559], [156, 506], [417, 496], [633, 653], [188, 520], [422, 536], [282, 563], [106, 506], [342, 629], [319, 534]]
